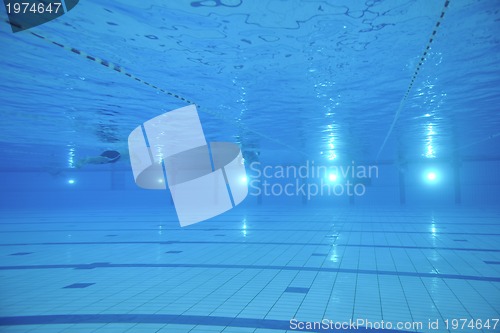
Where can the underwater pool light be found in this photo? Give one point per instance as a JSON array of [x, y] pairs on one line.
[[431, 176], [244, 180], [332, 177], [71, 181]]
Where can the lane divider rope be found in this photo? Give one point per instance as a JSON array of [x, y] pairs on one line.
[[104, 63], [120, 69], [423, 57]]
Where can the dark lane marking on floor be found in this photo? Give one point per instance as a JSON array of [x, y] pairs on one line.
[[259, 267], [78, 285], [257, 221], [258, 243], [270, 230], [271, 324]]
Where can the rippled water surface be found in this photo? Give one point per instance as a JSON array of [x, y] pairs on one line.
[[290, 79]]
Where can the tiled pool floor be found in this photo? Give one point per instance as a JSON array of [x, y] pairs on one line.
[[250, 270]]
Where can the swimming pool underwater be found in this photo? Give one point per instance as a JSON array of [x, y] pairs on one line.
[[365, 132], [253, 270]]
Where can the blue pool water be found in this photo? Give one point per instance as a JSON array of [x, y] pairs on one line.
[[369, 133]]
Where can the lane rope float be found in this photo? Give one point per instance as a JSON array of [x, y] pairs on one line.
[[423, 57]]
